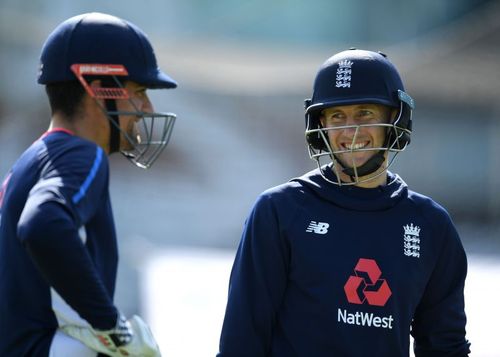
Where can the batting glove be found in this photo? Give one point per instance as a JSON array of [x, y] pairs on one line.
[[131, 338]]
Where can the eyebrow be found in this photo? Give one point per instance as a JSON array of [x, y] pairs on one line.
[[362, 106], [368, 106]]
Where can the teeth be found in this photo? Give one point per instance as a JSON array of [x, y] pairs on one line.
[[355, 146]]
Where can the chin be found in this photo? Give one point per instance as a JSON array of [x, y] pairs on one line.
[[126, 146], [348, 162]]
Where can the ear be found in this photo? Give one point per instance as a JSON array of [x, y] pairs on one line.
[[322, 119], [95, 83], [394, 113]]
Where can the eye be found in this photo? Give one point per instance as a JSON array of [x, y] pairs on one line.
[[366, 113], [336, 118]]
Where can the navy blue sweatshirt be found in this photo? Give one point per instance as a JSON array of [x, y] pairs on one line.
[[58, 250], [326, 270]]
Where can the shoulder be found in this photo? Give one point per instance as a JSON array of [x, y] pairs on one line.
[[434, 215], [296, 188], [427, 206], [70, 166], [65, 148], [71, 158], [285, 193], [59, 155], [75, 173], [280, 203]]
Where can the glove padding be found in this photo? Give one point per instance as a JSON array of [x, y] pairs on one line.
[[128, 338]]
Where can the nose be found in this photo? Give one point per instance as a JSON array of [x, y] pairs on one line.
[[351, 127]]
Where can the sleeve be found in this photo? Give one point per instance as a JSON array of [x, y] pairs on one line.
[[257, 285], [439, 322], [48, 228], [52, 242]]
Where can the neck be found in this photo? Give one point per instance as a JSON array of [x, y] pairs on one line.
[[375, 179], [57, 122], [83, 127], [374, 182]]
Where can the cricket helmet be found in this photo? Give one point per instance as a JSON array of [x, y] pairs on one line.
[[101, 46], [104, 39], [358, 77]]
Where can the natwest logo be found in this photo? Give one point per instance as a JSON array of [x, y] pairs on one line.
[[366, 285]]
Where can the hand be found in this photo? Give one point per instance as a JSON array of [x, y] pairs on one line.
[[131, 338]]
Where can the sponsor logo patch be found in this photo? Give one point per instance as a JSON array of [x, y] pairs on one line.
[[364, 319], [365, 286], [317, 227]]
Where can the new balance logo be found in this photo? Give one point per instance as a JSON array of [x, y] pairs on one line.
[[318, 227]]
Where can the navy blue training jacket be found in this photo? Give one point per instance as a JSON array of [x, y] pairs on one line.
[[58, 250], [323, 270]]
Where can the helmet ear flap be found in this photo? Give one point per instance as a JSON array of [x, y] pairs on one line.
[[400, 136], [312, 122]]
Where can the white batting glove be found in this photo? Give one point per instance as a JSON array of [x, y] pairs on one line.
[[131, 338]]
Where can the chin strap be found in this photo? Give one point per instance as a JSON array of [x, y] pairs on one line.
[[369, 167]]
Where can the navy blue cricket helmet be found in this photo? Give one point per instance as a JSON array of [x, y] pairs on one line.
[[104, 46], [355, 77], [358, 77], [102, 39]]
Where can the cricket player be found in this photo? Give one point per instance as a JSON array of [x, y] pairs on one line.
[[346, 260], [58, 245]]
